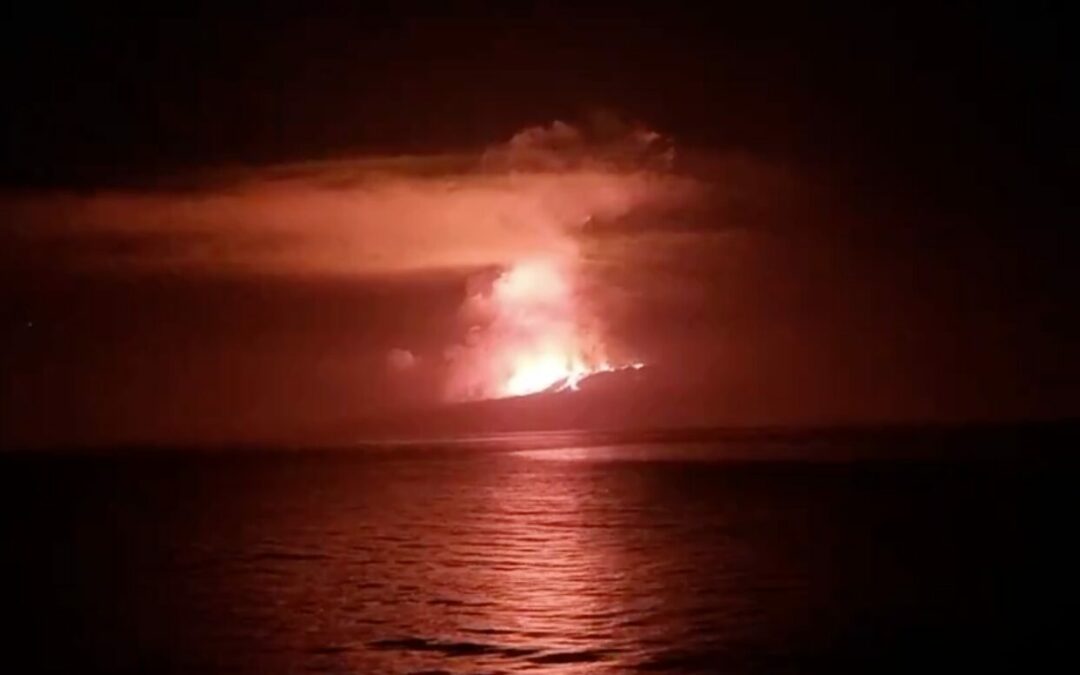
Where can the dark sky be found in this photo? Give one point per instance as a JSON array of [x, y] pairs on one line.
[[897, 237], [99, 93]]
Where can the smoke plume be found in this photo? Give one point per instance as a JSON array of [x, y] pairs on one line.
[[511, 219]]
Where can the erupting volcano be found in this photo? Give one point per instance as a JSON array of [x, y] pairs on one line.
[[534, 215], [529, 333]]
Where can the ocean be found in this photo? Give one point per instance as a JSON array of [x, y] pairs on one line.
[[824, 552]]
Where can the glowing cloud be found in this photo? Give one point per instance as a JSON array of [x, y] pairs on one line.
[[529, 332], [517, 210]]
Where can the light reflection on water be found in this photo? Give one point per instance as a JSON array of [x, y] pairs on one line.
[[492, 561], [569, 560]]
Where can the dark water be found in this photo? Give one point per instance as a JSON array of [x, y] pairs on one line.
[[650, 557]]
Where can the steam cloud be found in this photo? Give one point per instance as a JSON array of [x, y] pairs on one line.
[[512, 217]]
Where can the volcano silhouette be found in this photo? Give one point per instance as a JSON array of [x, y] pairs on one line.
[[621, 399]]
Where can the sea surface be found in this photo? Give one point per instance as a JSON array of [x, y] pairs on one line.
[[862, 552]]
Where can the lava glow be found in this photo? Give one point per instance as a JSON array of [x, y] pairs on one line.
[[531, 334], [555, 374]]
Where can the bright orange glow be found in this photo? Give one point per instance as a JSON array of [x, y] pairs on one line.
[[553, 372], [535, 335], [533, 375]]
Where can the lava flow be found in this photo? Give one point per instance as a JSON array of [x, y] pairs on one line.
[[530, 335], [555, 373]]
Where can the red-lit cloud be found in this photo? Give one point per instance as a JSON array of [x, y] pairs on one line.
[[514, 216], [362, 217]]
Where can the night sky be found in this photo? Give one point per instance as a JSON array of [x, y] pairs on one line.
[[881, 228]]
